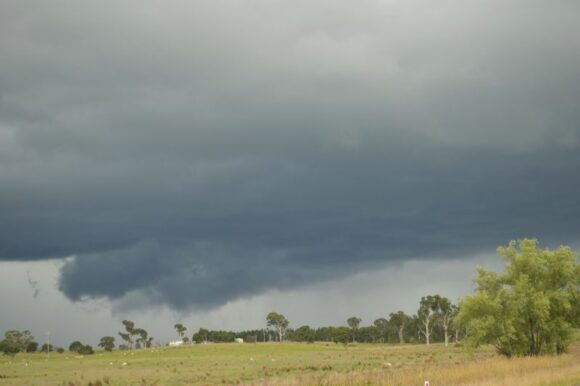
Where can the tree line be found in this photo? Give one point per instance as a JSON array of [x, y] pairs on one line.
[[532, 308], [431, 323]]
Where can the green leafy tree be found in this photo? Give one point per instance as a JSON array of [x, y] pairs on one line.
[[353, 322], [16, 341], [8, 347], [278, 322], [75, 346], [303, 334], [382, 326], [324, 334], [32, 347], [144, 340], [180, 328], [86, 350], [80, 348], [530, 309], [454, 326], [427, 315], [130, 333], [445, 312], [107, 343], [341, 335], [368, 334], [399, 320], [202, 335]]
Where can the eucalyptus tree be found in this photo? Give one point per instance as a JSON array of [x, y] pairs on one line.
[[180, 328], [129, 333], [353, 322], [278, 322], [445, 312], [382, 326], [144, 340], [107, 343], [427, 314], [399, 320]]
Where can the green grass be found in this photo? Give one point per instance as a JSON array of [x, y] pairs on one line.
[[292, 363]]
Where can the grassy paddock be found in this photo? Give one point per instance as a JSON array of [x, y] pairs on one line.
[[291, 364]]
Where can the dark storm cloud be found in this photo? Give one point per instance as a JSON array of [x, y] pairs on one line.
[[202, 152]]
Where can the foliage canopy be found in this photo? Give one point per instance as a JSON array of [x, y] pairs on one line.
[[532, 308]]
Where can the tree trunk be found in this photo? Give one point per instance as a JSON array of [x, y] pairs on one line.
[[401, 340], [446, 330]]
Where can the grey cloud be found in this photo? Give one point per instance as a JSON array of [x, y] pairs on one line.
[[303, 139], [199, 275]]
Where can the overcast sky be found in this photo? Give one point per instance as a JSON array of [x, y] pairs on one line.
[[210, 161]]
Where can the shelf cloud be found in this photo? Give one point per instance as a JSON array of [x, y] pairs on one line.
[[201, 152]]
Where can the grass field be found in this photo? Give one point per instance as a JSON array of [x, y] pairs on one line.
[[291, 364]]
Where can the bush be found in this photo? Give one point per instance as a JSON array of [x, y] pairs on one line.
[[86, 350], [532, 309]]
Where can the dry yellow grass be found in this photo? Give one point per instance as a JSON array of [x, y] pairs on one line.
[[549, 370]]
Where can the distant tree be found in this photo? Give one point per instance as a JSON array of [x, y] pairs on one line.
[[278, 322], [382, 326], [75, 346], [398, 320], [32, 347], [47, 348], [324, 334], [17, 340], [8, 347], [79, 348], [427, 314], [353, 322], [532, 308], [107, 343], [144, 340], [86, 350], [141, 336], [202, 335], [180, 328], [456, 328], [412, 330], [341, 335], [368, 334], [128, 336], [303, 334], [445, 312]]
